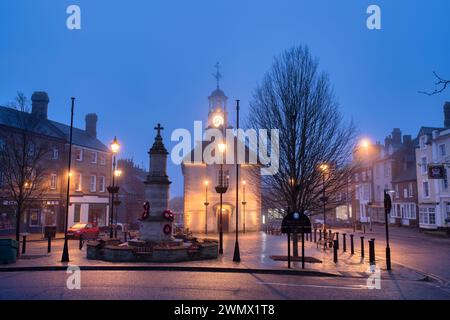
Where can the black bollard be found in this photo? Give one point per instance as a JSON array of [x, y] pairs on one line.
[[125, 237], [337, 239], [80, 244], [24, 244], [372, 251], [335, 251], [352, 245], [49, 244], [315, 235], [344, 242], [329, 233], [362, 247], [320, 234], [311, 237]]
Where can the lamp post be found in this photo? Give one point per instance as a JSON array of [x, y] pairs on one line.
[[206, 203], [221, 189], [387, 210], [243, 204], [117, 202], [324, 169], [365, 143], [113, 189], [65, 253], [237, 254]]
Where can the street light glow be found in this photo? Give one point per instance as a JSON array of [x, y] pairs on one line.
[[324, 167], [115, 146], [117, 173], [222, 147], [365, 143], [206, 182]]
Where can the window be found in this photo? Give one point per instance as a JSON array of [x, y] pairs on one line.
[[442, 150], [426, 190], [424, 165], [397, 191], [101, 184], [53, 181], [79, 154], [445, 183], [78, 182], [93, 185], [427, 215], [405, 193], [77, 213], [94, 157], [34, 218], [102, 159], [423, 142], [410, 190], [363, 176], [447, 210], [356, 177], [55, 154], [225, 179]]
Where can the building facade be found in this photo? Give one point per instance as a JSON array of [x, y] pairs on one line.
[[90, 174], [433, 148], [201, 201]]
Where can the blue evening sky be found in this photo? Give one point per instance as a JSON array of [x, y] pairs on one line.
[[139, 62]]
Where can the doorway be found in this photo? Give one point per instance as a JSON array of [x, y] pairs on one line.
[[225, 219]]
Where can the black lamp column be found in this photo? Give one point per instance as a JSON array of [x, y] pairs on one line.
[[65, 254], [237, 255], [243, 204], [113, 189], [206, 203]]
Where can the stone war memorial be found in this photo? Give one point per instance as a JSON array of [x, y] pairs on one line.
[[157, 241]]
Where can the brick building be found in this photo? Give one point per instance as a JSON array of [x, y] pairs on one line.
[[91, 167]]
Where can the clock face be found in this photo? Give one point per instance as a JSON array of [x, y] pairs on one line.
[[218, 121]]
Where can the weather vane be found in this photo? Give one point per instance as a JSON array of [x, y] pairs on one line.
[[217, 75]]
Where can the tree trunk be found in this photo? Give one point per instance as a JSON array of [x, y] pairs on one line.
[[18, 215], [295, 244]]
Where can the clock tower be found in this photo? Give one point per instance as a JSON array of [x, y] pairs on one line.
[[218, 114]]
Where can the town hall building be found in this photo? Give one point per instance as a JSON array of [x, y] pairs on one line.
[[201, 201]]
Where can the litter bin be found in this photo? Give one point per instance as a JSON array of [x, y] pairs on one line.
[[8, 251]]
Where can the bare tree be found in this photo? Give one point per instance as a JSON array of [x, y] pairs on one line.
[[439, 86], [315, 143], [22, 159]]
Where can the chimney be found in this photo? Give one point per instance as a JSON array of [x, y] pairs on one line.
[[39, 104], [447, 114], [407, 140], [396, 136], [91, 124]]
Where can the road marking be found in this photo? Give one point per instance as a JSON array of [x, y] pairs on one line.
[[349, 287]]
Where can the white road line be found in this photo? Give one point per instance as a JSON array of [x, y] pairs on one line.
[[349, 287]]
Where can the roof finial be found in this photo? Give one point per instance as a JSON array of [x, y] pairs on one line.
[[217, 75], [159, 128]]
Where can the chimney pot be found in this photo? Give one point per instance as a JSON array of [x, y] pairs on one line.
[[91, 124], [39, 104]]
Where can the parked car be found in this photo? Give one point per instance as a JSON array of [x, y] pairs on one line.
[[86, 230]]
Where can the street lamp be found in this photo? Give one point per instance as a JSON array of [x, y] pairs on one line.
[[237, 254], [365, 144], [221, 189], [244, 203], [113, 189], [206, 203], [65, 254], [324, 168], [117, 202], [387, 210]]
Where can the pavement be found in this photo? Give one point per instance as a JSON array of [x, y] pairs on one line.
[[413, 276]]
